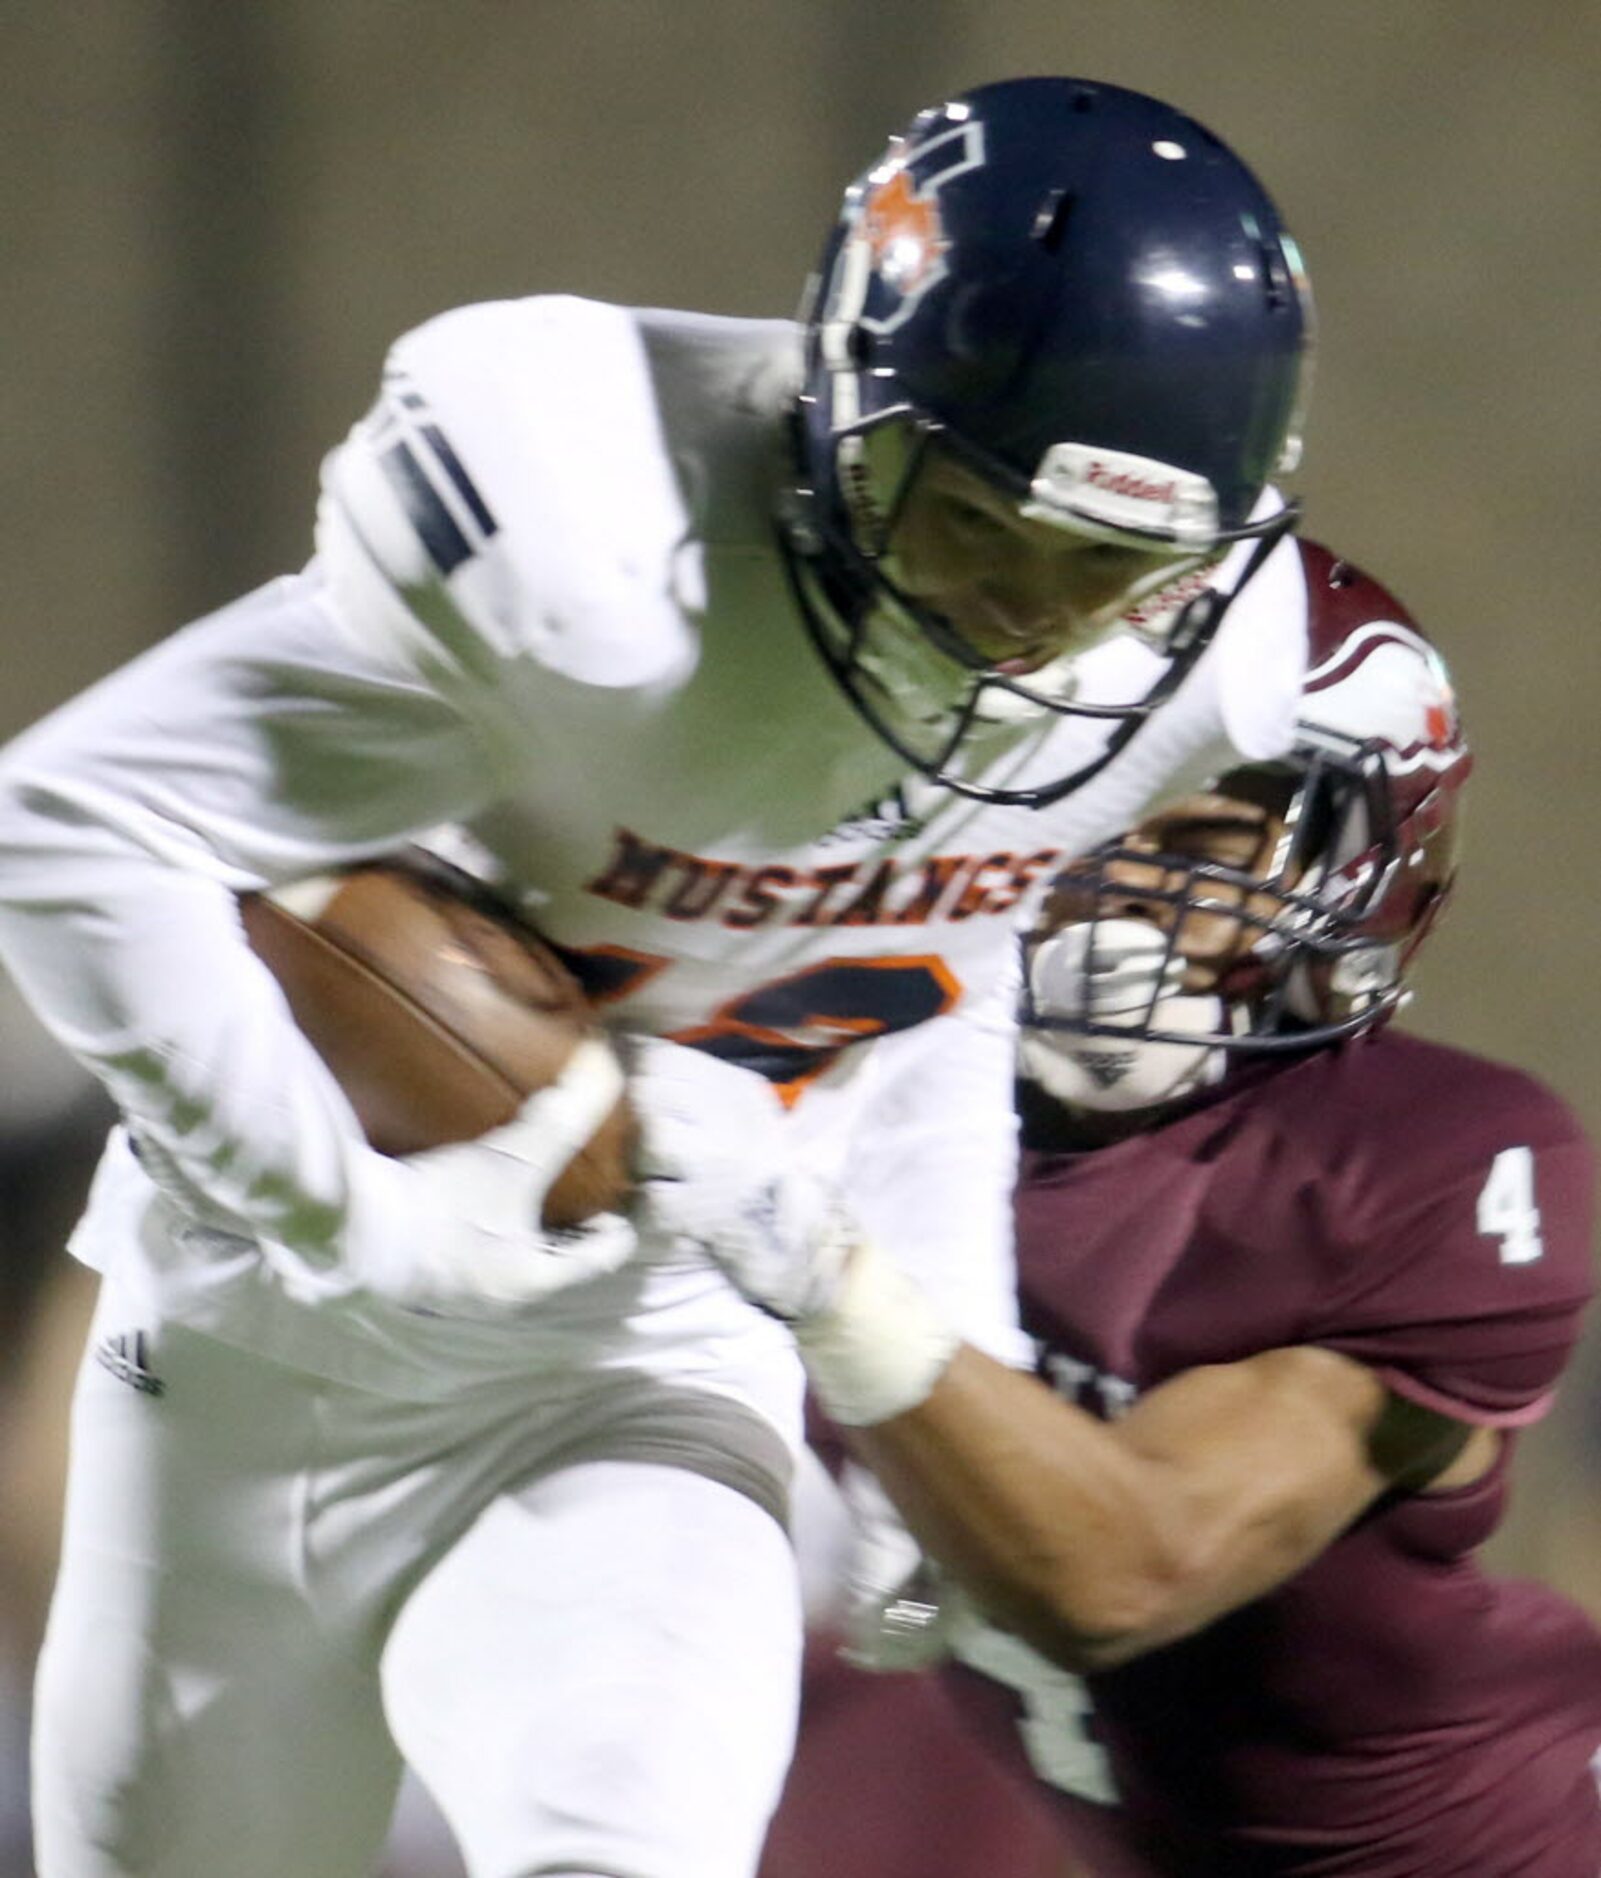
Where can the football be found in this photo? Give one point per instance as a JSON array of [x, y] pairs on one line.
[[437, 1010]]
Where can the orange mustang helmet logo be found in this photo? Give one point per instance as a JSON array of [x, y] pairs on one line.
[[905, 232]]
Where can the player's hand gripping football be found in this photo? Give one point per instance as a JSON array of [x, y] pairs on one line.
[[719, 1167], [497, 1256]]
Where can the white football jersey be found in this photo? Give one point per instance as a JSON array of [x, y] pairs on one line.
[[684, 788], [548, 610]]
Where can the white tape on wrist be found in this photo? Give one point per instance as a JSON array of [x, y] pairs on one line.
[[879, 1348]]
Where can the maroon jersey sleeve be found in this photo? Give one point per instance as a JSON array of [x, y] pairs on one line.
[[1463, 1200]]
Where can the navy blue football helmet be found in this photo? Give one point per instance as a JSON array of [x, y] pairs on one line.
[[1084, 299]]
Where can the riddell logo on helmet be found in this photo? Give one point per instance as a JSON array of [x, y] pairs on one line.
[[1124, 483]]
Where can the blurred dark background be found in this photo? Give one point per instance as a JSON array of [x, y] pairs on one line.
[[216, 218]]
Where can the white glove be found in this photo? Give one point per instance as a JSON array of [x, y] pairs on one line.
[[718, 1169], [478, 1248]]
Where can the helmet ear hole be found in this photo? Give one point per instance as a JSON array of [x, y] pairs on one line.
[[1050, 224], [1278, 285]]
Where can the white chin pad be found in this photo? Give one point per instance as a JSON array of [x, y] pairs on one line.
[[1108, 1073], [1126, 969]]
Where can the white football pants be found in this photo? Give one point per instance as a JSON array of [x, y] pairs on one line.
[[271, 1582]]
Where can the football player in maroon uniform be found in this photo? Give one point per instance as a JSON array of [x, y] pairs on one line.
[[1296, 1278]]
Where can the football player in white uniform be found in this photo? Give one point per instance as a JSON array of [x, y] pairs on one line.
[[769, 668]]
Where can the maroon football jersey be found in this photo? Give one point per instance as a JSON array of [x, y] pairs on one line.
[[1392, 1711], [886, 1783]]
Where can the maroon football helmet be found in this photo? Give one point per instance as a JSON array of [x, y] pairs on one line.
[[1357, 855]]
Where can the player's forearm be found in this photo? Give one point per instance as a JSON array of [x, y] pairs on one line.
[[231, 1114], [1097, 1542], [128, 822], [1033, 1507], [139, 969], [1036, 1508]]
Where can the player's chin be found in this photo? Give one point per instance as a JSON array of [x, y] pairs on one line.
[[1020, 655]]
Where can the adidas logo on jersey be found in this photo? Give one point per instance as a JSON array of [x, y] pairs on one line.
[[126, 1354], [890, 818]]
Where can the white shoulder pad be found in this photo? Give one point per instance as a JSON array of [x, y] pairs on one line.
[[510, 496]]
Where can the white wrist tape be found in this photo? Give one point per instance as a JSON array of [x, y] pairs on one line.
[[879, 1347]]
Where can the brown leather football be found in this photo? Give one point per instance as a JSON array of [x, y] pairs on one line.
[[437, 1010]]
